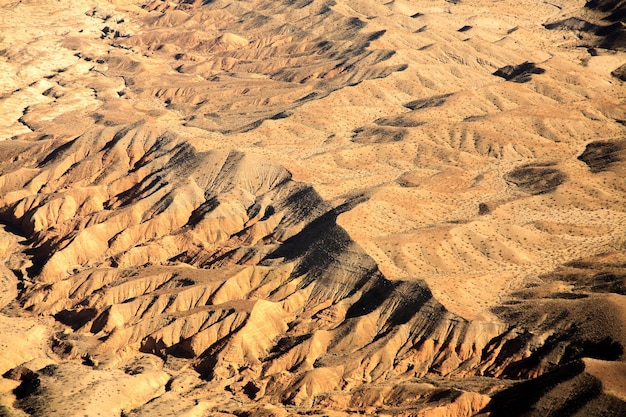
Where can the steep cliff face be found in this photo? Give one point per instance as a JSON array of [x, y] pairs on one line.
[[335, 207]]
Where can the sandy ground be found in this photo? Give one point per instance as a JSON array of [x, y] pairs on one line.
[[145, 141]]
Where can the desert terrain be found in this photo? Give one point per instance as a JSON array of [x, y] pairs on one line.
[[312, 207]]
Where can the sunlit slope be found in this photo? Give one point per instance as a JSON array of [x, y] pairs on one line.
[[338, 207]]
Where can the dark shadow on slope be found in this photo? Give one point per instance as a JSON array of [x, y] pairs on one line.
[[202, 210], [382, 134], [319, 241], [424, 103], [285, 344], [76, 318], [371, 299], [521, 73], [619, 73], [323, 251], [614, 35], [599, 156], [566, 391], [571, 23], [57, 153]]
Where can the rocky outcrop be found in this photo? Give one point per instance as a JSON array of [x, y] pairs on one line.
[[185, 256], [246, 273]]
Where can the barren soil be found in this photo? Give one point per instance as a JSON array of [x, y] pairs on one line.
[[312, 207]]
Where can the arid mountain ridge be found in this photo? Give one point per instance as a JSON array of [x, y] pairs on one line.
[[316, 207]]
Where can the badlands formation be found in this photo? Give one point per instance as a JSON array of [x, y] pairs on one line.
[[312, 207]]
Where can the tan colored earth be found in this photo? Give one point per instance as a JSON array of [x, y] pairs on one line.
[[312, 207]]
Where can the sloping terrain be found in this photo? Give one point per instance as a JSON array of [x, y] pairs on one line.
[[319, 207]]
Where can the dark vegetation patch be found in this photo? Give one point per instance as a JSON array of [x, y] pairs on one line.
[[536, 179], [599, 156], [521, 73]]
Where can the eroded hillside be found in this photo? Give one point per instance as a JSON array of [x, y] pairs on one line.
[[327, 207]]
